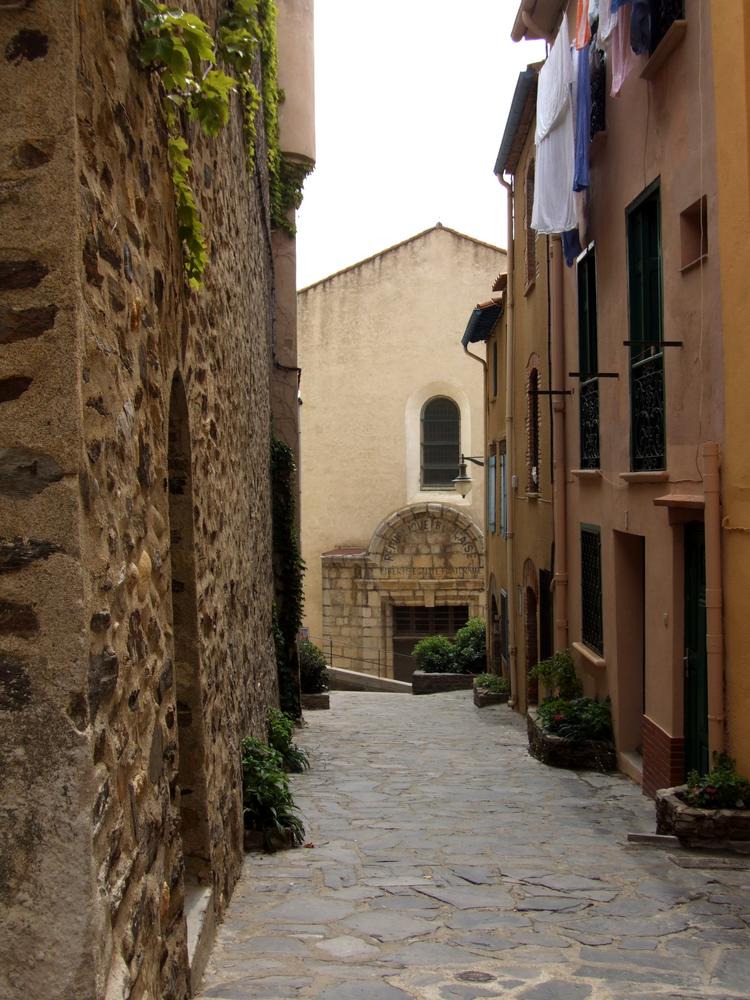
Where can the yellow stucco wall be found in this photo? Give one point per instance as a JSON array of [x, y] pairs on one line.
[[375, 342], [731, 40], [532, 517]]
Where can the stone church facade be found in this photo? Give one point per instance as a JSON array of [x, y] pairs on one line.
[[135, 519], [392, 551]]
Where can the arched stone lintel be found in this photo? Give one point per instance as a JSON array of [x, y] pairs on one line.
[[453, 517]]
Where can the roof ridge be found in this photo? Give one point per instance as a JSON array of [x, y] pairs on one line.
[[396, 246]]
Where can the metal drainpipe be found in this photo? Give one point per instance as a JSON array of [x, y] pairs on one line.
[[714, 598], [509, 545], [559, 486]]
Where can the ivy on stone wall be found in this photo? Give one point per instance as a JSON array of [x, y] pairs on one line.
[[288, 575], [181, 48]]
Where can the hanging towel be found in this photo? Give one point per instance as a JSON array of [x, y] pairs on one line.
[[554, 210], [607, 22], [623, 59], [616, 4], [583, 121], [583, 28], [571, 245]]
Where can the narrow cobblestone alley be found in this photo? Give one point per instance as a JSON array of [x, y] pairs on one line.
[[447, 863]]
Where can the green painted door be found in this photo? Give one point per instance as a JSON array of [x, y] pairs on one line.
[[696, 681]]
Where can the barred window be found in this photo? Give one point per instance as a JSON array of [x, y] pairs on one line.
[[441, 436], [591, 587]]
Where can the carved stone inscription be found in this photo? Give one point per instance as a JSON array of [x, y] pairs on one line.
[[430, 548]]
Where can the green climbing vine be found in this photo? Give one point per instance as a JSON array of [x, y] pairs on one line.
[[182, 49], [288, 575]]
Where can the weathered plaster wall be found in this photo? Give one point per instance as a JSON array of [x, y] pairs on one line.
[[93, 889], [370, 339], [532, 517], [730, 24], [660, 128]]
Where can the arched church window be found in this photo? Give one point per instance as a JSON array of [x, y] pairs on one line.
[[441, 436]]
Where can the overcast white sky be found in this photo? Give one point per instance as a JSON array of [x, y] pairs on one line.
[[411, 102]]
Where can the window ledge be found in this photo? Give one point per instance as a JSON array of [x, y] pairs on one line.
[[657, 476], [664, 49], [590, 474], [693, 263], [591, 657], [529, 287], [533, 495]]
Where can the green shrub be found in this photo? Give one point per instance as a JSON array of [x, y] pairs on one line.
[[470, 647], [722, 788], [577, 719], [313, 669], [558, 676], [267, 800], [492, 683], [434, 654], [280, 732]]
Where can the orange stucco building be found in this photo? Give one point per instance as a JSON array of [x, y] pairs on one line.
[[634, 398]]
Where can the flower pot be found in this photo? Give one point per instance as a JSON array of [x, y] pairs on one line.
[[314, 701], [429, 683], [483, 697], [728, 829], [588, 755]]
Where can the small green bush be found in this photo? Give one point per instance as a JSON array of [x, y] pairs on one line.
[[577, 719], [267, 800], [313, 669], [558, 676], [722, 788], [492, 683], [434, 654], [470, 647], [280, 732]]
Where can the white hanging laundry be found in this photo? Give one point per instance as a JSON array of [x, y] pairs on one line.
[[607, 21], [554, 206]]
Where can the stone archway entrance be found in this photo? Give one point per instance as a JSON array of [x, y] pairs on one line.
[[424, 567]]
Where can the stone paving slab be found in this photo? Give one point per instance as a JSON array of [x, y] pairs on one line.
[[447, 864]]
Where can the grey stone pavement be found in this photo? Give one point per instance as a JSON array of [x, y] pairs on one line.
[[447, 863]]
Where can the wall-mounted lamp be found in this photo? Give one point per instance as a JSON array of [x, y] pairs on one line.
[[462, 482]]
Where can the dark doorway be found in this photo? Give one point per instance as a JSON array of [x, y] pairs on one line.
[[531, 630], [189, 791], [412, 623], [630, 613], [696, 679]]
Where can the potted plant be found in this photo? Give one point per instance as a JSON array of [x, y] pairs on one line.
[[490, 689], [568, 729], [712, 810], [272, 820], [443, 665], [313, 674]]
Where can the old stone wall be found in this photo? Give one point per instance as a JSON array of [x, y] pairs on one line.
[[424, 555], [135, 579]]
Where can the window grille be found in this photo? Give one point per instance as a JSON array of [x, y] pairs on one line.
[[532, 464], [588, 362], [441, 435], [591, 588], [503, 490], [647, 410], [530, 233], [491, 493]]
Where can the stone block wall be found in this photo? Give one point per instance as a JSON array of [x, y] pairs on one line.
[[135, 562]]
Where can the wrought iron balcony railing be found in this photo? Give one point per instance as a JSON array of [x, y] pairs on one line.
[[589, 415], [647, 434]]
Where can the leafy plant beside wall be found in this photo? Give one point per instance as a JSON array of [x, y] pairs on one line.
[[181, 48], [288, 575]]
